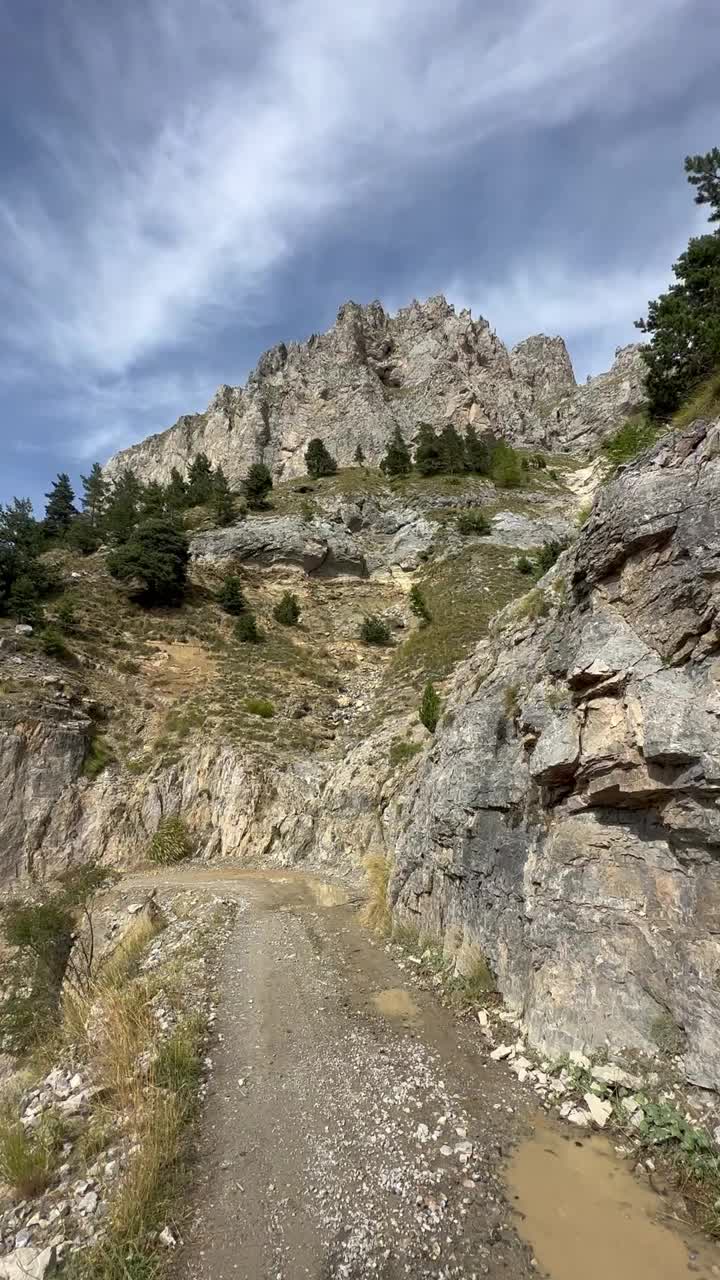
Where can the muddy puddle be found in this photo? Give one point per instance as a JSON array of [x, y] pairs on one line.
[[585, 1215], [397, 1004]]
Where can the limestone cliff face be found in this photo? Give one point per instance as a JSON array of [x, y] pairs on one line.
[[567, 818], [372, 372]]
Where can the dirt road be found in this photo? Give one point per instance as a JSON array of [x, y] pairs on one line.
[[355, 1128]]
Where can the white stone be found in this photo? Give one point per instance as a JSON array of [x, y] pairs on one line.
[[599, 1110], [502, 1051], [579, 1059], [614, 1075], [167, 1238], [482, 1017], [578, 1117]]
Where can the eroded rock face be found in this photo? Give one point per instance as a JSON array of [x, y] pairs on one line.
[[567, 819], [372, 372]]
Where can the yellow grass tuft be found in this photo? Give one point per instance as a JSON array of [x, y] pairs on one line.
[[376, 911]]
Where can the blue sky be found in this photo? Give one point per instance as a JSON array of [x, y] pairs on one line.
[[186, 182]]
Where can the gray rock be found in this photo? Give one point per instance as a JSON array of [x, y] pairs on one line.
[[372, 372], [595, 895], [28, 1264]]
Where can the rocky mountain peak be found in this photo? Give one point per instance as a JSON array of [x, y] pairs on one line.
[[374, 371]]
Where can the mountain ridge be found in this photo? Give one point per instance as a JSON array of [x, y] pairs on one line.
[[372, 372]]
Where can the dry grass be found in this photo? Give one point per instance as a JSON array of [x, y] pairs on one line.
[[28, 1157], [122, 962], [376, 911]]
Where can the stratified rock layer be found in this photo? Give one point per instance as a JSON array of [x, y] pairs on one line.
[[373, 372], [567, 819]]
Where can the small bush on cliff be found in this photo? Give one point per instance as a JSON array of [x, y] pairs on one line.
[[548, 554], [29, 1157], [171, 842], [154, 562], [375, 631], [473, 521], [262, 707], [53, 644], [287, 610], [230, 596], [258, 483], [629, 440], [430, 707], [506, 467], [418, 604], [247, 630]]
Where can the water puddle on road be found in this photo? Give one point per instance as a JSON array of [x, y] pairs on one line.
[[586, 1215], [397, 1004]]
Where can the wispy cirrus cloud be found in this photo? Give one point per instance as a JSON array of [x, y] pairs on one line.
[[178, 156]]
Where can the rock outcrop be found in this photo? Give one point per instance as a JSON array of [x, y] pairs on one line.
[[372, 372], [567, 819]]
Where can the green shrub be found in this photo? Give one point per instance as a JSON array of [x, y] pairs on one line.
[[53, 643], [171, 842], [524, 564], [704, 403], [402, 751], [153, 562], [532, 606], [260, 707], [287, 611], [548, 554], [430, 707], [24, 602], [230, 596], [473, 521], [82, 536], [247, 630], [178, 1064], [67, 615], [629, 440], [418, 604], [374, 630], [584, 514], [97, 757], [511, 701], [506, 467], [307, 510]]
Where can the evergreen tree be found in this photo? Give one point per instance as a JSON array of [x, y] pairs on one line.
[[359, 456], [428, 453], [397, 460], [247, 630], [60, 507], [287, 611], [230, 596], [222, 503], [430, 707], [684, 323], [375, 630], [95, 493], [123, 506], [200, 480], [318, 461], [24, 601], [21, 539], [153, 501], [83, 537], [418, 604], [477, 453], [452, 450], [67, 615], [176, 492], [156, 558], [506, 467], [258, 483]]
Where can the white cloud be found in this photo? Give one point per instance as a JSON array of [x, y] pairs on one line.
[[200, 144]]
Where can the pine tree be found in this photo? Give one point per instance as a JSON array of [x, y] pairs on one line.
[[247, 630], [418, 604], [452, 450], [123, 505], [176, 492], [477, 453], [60, 507], [230, 596], [506, 467], [359, 456], [156, 556], [200, 480], [318, 461], [397, 460], [153, 500], [95, 493], [222, 503], [685, 322], [428, 453], [287, 611], [67, 615], [430, 707], [258, 483], [24, 601]]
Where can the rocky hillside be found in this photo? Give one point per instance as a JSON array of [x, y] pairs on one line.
[[566, 822], [373, 372]]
